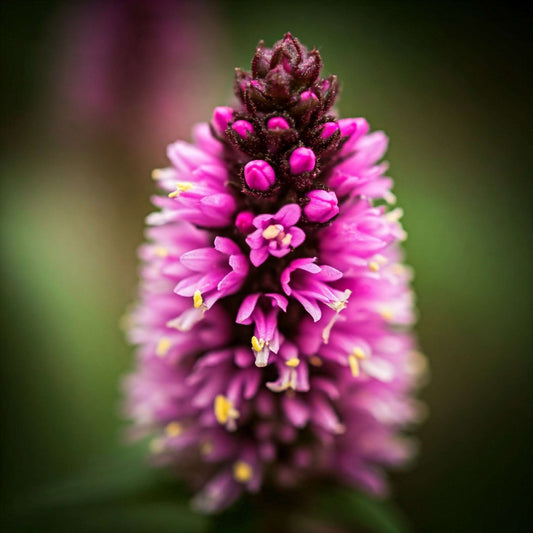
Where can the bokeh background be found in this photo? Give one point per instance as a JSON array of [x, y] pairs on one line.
[[93, 91]]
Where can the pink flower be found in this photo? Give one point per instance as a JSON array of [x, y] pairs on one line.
[[275, 348], [275, 235]]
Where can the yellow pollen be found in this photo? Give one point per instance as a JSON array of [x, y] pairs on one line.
[[315, 361], [197, 299], [387, 314], [373, 266], [162, 347], [160, 251], [156, 173], [286, 240], [257, 345], [224, 410], [293, 362], [271, 232], [358, 352], [173, 429], [242, 472], [181, 186], [353, 360], [354, 365]]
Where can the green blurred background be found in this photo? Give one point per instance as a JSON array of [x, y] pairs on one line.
[[92, 92]]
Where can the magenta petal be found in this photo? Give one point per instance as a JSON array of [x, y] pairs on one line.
[[296, 411], [288, 215], [278, 300], [311, 307], [226, 246], [255, 239], [258, 257], [328, 273], [298, 236], [200, 259], [247, 307]]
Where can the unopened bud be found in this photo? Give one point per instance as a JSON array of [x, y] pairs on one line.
[[302, 160], [322, 206], [243, 128], [277, 123], [244, 221], [221, 118], [328, 129], [259, 175], [308, 95]]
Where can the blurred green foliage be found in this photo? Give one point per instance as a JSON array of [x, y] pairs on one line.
[[449, 83]]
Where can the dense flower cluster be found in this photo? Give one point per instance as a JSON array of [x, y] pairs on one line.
[[273, 322]]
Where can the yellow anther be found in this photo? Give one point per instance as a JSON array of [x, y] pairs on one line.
[[354, 365], [293, 362], [373, 266], [160, 251], [353, 360], [162, 347], [271, 232], [157, 173], [224, 410], [286, 240], [257, 345], [181, 186], [174, 429], [359, 353], [315, 361], [387, 314], [197, 299], [242, 472], [338, 306]]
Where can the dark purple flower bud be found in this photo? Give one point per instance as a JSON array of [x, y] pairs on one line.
[[322, 206], [302, 160], [259, 175], [261, 61], [309, 70]]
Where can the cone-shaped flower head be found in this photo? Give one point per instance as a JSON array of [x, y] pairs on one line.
[[273, 325]]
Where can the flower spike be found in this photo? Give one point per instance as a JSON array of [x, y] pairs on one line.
[[274, 318]]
